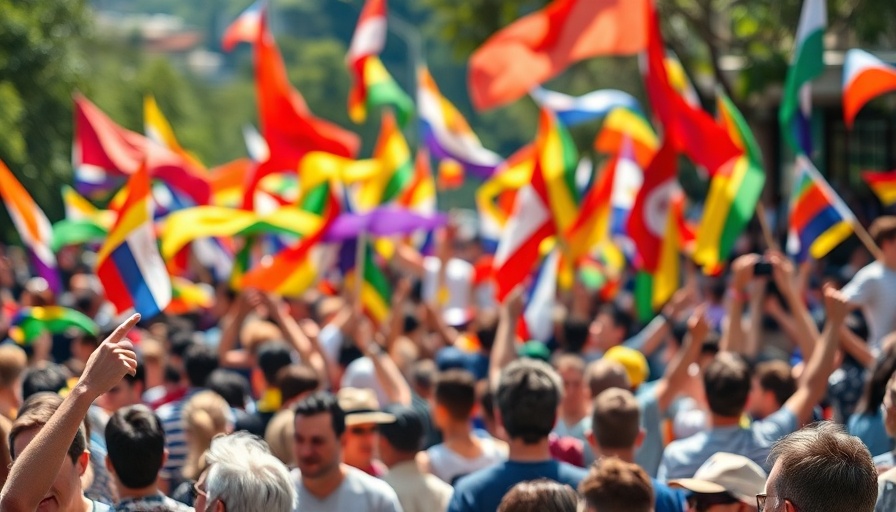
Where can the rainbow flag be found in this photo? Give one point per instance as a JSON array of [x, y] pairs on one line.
[[628, 179], [397, 167], [32, 225], [734, 192], [128, 264], [30, 322], [819, 219], [557, 161], [883, 184], [158, 130], [375, 290], [623, 125], [187, 297], [446, 133], [592, 226], [83, 223]]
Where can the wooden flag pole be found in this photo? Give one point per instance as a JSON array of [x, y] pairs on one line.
[[866, 239], [766, 229], [360, 258]]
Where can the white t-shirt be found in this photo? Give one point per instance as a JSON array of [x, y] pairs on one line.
[[458, 282], [358, 492], [874, 289], [450, 465]]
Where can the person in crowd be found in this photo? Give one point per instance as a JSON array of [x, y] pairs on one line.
[[136, 444], [48, 466], [400, 443], [873, 288], [243, 476], [199, 362], [362, 420], [527, 399], [772, 385], [205, 416], [461, 452], [820, 468], [49, 378], [322, 481], [295, 382], [727, 382], [575, 408], [125, 393], [234, 389], [725, 483], [539, 495], [887, 460], [867, 422], [616, 486], [13, 362]]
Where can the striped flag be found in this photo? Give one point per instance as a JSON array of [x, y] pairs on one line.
[[575, 110], [883, 184], [865, 77], [375, 290], [623, 125], [627, 181], [30, 322], [128, 264], [32, 224], [537, 321], [556, 161], [158, 130], [245, 28], [83, 222], [807, 65], [397, 170], [819, 219]]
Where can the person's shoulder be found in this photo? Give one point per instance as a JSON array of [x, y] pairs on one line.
[[482, 478], [570, 474], [368, 484]]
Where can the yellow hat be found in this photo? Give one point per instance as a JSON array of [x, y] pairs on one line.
[[633, 361]]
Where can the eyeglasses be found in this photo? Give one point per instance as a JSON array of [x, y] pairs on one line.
[[760, 501], [199, 490]]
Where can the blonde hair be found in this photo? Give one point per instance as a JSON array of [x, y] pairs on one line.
[[205, 415]]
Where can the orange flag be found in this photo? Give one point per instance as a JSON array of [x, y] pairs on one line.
[[539, 46]]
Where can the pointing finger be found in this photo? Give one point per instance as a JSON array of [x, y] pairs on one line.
[[123, 329]]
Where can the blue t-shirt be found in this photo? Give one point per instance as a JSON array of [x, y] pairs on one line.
[[483, 490], [667, 498], [870, 429]]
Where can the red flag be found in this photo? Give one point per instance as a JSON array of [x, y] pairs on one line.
[[539, 46], [690, 129], [650, 213]]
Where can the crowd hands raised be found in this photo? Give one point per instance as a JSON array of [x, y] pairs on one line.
[[760, 389]]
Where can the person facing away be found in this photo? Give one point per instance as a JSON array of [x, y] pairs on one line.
[[820, 468], [539, 495], [873, 288], [136, 451], [461, 452], [725, 483], [242, 476], [322, 481], [613, 485], [527, 399], [399, 444]]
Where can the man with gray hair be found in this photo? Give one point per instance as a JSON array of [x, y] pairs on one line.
[[820, 468], [243, 476], [527, 397]]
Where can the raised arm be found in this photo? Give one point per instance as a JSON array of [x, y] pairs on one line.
[[387, 372], [733, 336], [308, 349], [677, 371], [504, 350], [812, 384], [804, 328], [228, 354], [32, 474]]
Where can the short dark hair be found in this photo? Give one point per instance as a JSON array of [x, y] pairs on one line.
[[528, 395], [321, 402], [423, 373], [616, 419], [539, 495], [822, 468], [776, 376], [575, 333], [233, 387], [51, 378], [138, 376], [883, 229], [296, 379], [455, 390], [727, 384], [199, 362], [616, 486], [136, 445], [36, 412], [272, 356], [620, 317]]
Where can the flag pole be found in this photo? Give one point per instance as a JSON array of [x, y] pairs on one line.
[[866, 239], [766, 229], [359, 269]]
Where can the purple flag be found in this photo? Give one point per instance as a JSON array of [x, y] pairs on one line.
[[385, 221]]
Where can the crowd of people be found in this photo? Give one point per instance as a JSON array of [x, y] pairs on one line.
[[771, 387]]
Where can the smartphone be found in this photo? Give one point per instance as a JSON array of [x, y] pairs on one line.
[[762, 268]]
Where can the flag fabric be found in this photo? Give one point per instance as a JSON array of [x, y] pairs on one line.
[[628, 179], [650, 215], [556, 161], [690, 129], [592, 225], [397, 171], [538, 47], [381, 222], [734, 192], [128, 264], [446, 133], [376, 294], [245, 28], [83, 222], [33, 226], [623, 125], [187, 297], [158, 129], [865, 77], [537, 320], [807, 65], [30, 322], [819, 219], [883, 184], [575, 110]]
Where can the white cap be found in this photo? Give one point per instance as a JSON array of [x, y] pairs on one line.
[[726, 472]]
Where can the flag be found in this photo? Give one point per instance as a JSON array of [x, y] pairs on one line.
[[627, 182], [690, 129], [446, 133], [572, 110], [653, 289], [397, 171], [30, 322], [83, 222], [158, 130], [807, 65], [128, 264], [32, 224], [375, 290], [623, 125], [734, 192], [187, 297], [537, 321], [865, 77], [245, 28], [592, 225], [495, 198], [540, 46], [883, 184], [819, 219], [381, 222], [556, 161]]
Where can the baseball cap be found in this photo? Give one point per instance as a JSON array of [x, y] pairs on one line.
[[406, 432], [726, 472], [361, 406], [535, 350], [633, 361]]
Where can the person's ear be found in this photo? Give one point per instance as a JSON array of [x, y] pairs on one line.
[[789, 507], [83, 462], [220, 507]]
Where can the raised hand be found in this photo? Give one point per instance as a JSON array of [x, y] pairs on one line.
[[835, 305], [111, 360], [743, 271], [698, 324], [513, 303], [782, 270]]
